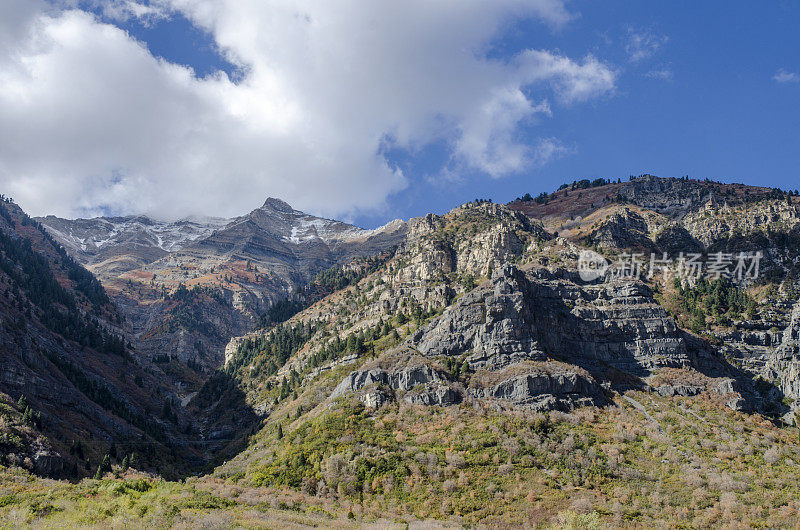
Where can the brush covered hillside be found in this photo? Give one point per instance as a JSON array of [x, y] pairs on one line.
[[474, 378], [471, 377]]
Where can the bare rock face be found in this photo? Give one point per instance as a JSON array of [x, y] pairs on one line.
[[405, 375], [491, 321], [714, 222], [623, 230], [415, 378], [669, 196], [540, 386], [537, 314], [510, 328], [472, 239], [783, 367]]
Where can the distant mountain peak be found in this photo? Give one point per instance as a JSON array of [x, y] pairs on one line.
[[277, 205]]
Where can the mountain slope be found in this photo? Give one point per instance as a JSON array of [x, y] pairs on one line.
[[471, 375], [65, 354], [117, 244], [235, 270], [475, 369]]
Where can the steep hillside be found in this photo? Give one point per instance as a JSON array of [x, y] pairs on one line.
[[67, 359], [443, 369], [675, 217]]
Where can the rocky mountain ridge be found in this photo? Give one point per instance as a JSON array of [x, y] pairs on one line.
[[236, 269]]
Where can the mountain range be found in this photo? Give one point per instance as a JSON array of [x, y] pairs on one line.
[[238, 267], [456, 367]]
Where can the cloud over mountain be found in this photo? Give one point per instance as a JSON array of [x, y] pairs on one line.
[[91, 121]]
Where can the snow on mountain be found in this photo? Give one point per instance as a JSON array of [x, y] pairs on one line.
[[93, 236], [98, 239]]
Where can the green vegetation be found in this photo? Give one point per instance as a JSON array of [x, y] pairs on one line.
[[281, 311], [271, 350], [17, 421], [58, 310], [324, 283], [707, 303], [695, 464], [135, 500]]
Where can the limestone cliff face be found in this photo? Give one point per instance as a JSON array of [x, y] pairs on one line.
[[511, 329], [714, 223], [669, 196], [783, 366], [473, 239], [540, 386], [538, 314], [625, 229], [493, 323]]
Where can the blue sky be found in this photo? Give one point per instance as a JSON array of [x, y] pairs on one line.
[[678, 88], [720, 114]]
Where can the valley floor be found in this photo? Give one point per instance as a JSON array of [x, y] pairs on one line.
[[644, 460]]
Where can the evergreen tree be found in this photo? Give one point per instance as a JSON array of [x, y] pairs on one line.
[[103, 468]]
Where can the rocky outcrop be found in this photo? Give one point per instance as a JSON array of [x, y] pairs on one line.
[[492, 322], [402, 376], [625, 229], [473, 239], [539, 386], [508, 327], [537, 314], [670, 196], [714, 223], [783, 367]]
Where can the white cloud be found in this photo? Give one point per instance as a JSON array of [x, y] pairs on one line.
[[123, 10], [90, 121], [643, 44], [784, 76]]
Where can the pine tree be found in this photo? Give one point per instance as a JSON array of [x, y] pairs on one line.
[[280, 431], [103, 468]]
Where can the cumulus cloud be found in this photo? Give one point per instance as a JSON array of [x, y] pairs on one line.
[[91, 122], [785, 76]]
